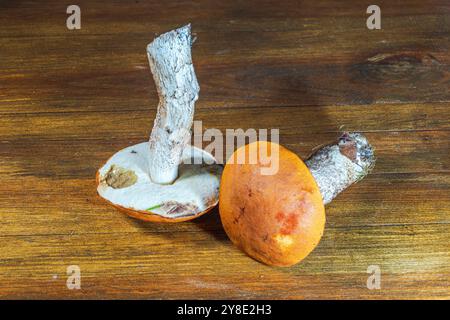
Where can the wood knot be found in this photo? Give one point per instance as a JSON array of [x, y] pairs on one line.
[[404, 59], [413, 67]]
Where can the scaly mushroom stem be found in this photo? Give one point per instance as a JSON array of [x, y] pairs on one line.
[[336, 166], [170, 61]]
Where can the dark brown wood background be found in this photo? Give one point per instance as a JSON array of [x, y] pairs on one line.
[[70, 99]]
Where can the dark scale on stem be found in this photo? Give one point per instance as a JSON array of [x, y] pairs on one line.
[[336, 166]]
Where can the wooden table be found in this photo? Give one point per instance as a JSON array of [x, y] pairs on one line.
[[71, 98]]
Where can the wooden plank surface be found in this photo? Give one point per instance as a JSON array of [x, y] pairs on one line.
[[70, 99]]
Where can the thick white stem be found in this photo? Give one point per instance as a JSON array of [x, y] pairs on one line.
[[337, 166], [170, 61]]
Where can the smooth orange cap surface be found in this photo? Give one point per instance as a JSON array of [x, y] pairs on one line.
[[278, 218]]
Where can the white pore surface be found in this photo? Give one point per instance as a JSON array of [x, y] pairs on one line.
[[197, 184]]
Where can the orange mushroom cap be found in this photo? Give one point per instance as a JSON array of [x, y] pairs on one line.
[[277, 219]]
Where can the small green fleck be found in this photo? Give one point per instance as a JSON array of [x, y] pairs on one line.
[[154, 207]]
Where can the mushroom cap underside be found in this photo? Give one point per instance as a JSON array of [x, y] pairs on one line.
[[123, 181], [277, 219]]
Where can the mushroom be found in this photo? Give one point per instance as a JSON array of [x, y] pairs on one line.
[[279, 219], [165, 179]]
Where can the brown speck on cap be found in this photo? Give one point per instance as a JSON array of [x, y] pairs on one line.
[[119, 178]]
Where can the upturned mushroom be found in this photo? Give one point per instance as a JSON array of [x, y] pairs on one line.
[[165, 179], [279, 219]]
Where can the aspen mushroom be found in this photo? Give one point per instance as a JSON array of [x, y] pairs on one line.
[[279, 219], [165, 179]]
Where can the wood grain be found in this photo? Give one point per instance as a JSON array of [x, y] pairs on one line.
[[70, 99]]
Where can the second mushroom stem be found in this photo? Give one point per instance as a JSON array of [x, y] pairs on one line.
[[336, 166], [170, 61]]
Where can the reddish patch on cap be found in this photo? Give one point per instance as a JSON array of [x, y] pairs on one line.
[[288, 222]]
